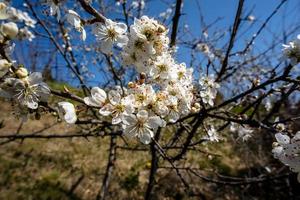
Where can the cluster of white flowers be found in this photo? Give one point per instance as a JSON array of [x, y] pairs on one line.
[[10, 30], [163, 94], [165, 90], [287, 150], [208, 89], [292, 51], [24, 89]]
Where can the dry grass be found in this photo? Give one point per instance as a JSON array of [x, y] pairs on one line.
[[73, 168]]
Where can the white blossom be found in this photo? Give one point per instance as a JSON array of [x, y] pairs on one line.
[[141, 125], [74, 19], [97, 98], [166, 14], [212, 135], [291, 51], [54, 8], [118, 107], [251, 18], [208, 89], [109, 33], [27, 91], [138, 4], [67, 110], [204, 48], [25, 33], [287, 150], [244, 131]]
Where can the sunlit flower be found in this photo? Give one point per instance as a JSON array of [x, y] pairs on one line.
[[67, 110], [292, 51], [74, 19], [208, 89], [141, 125], [110, 33], [287, 150], [118, 106], [54, 8], [212, 135], [97, 98], [27, 91]]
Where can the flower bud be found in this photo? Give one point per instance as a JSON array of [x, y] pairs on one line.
[[21, 72], [4, 66], [161, 29], [143, 75], [2, 6], [3, 11], [275, 144], [148, 165], [194, 110], [280, 126], [197, 105], [131, 85], [10, 29]]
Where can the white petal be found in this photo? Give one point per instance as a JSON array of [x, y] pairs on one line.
[[114, 97], [142, 115], [83, 34], [106, 46], [129, 119], [90, 101], [32, 104], [154, 122], [35, 78], [282, 139], [122, 40], [130, 131], [117, 119], [106, 110], [69, 112], [121, 28], [146, 136]]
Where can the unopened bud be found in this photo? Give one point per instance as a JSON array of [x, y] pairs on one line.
[[10, 29], [197, 105], [194, 110], [4, 64], [143, 75], [161, 29], [275, 144], [3, 11], [21, 72], [148, 165], [280, 127], [131, 85]]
